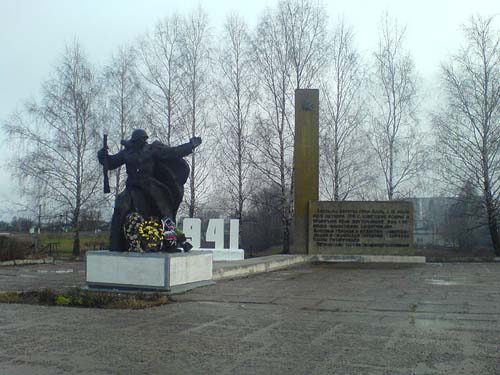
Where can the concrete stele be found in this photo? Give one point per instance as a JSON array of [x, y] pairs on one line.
[[305, 164]]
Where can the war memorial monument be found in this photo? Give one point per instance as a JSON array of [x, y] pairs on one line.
[[339, 228], [149, 251], [317, 318]]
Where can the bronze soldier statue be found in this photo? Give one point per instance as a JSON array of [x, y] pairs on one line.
[[156, 175]]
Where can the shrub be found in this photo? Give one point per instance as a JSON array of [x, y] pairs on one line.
[[62, 300], [82, 298], [12, 247], [47, 297]]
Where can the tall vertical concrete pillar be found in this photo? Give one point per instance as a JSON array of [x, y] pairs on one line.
[[305, 164]]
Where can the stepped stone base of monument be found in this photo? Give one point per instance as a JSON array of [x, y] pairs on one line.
[[376, 251], [364, 258], [223, 254], [148, 271]]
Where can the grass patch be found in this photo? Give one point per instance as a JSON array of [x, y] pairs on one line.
[[88, 241], [22, 245], [85, 298]]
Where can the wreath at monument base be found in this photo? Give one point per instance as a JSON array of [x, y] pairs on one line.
[[153, 235]]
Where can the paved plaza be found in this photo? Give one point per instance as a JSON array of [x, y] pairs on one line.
[[314, 319]]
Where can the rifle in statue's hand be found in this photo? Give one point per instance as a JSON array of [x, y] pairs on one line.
[[105, 166]]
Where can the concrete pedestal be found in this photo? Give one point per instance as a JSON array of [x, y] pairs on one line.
[[162, 271], [223, 254]]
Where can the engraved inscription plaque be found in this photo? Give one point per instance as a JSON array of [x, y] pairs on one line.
[[381, 228]]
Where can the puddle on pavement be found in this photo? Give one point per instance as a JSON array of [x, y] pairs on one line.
[[429, 324], [445, 282], [55, 271], [440, 282]]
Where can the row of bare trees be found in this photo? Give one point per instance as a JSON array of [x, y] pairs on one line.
[[468, 122], [236, 91]]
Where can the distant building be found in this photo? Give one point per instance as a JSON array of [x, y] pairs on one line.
[[430, 217]]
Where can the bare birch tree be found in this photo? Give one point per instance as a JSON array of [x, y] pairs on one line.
[[395, 135], [290, 51], [160, 54], [195, 89], [343, 156], [468, 128], [123, 101], [272, 139], [236, 98], [305, 25], [59, 134]]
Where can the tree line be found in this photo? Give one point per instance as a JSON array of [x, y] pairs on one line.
[[235, 86]]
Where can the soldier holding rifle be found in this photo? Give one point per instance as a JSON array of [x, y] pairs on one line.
[[156, 175]]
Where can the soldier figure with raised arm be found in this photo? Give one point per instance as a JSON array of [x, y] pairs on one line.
[[156, 175]]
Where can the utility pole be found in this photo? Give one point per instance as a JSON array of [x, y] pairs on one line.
[[37, 232], [39, 217]]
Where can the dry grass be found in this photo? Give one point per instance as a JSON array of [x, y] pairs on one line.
[[10, 297]]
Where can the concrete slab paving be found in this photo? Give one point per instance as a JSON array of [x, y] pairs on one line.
[[57, 276], [312, 319]]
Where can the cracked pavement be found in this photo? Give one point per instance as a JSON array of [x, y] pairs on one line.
[[315, 319]]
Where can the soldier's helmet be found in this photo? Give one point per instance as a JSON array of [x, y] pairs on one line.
[[138, 134]]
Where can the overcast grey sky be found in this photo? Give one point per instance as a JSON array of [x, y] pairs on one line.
[[33, 34]]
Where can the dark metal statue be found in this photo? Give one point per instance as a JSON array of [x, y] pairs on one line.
[[156, 175]]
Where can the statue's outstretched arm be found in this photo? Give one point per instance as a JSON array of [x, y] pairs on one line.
[[168, 153]]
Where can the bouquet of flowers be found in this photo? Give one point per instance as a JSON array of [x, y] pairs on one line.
[[150, 233], [173, 238], [169, 235]]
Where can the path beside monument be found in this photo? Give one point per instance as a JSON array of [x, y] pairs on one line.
[[323, 319]]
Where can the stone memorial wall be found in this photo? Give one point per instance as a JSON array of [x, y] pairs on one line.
[[381, 228]]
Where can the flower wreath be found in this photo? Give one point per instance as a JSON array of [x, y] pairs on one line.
[[151, 235]]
